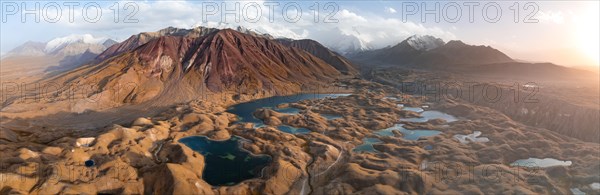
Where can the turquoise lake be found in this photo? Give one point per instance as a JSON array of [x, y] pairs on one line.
[[226, 163]]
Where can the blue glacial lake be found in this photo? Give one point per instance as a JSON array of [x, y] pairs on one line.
[[367, 145], [407, 134], [226, 163], [245, 110]]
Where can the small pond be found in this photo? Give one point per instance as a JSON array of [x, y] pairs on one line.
[[407, 134], [331, 116], [431, 114], [414, 109], [367, 145], [293, 130], [428, 147], [543, 163]]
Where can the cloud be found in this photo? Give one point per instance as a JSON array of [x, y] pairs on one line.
[[375, 31], [556, 17], [390, 10], [363, 28]]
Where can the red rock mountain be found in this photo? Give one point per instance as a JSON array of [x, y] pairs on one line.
[[183, 67], [137, 40]]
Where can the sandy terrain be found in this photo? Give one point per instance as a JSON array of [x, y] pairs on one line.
[[144, 155]]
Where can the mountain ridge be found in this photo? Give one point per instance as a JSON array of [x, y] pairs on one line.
[[221, 61], [427, 51], [319, 50]]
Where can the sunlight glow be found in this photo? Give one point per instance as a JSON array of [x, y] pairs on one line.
[[587, 31]]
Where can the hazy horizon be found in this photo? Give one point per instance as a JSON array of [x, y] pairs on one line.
[[563, 33]]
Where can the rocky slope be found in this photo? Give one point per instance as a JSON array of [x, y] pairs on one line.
[[315, 48], [222, 60], [135, 41]]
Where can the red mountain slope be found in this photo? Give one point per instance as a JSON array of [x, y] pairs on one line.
[[184, 67]]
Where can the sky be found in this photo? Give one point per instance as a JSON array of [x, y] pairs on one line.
[[562, 32]]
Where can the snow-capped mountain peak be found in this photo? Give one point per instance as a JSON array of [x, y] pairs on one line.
[[254, 31], [347, 44], [60, 42], [424, 42]]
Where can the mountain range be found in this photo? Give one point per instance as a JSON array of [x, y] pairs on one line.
[[194, 62], [430, 52], [69, 46], [55, 56], [433, 54]]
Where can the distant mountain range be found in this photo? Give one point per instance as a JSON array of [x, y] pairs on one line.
[[176, 60], [71, 45], [63, 53], [430, 52], [29, 48]]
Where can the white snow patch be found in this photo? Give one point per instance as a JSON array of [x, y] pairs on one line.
[[347, 44], [84, 142], [60, 42], [425, 42]]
